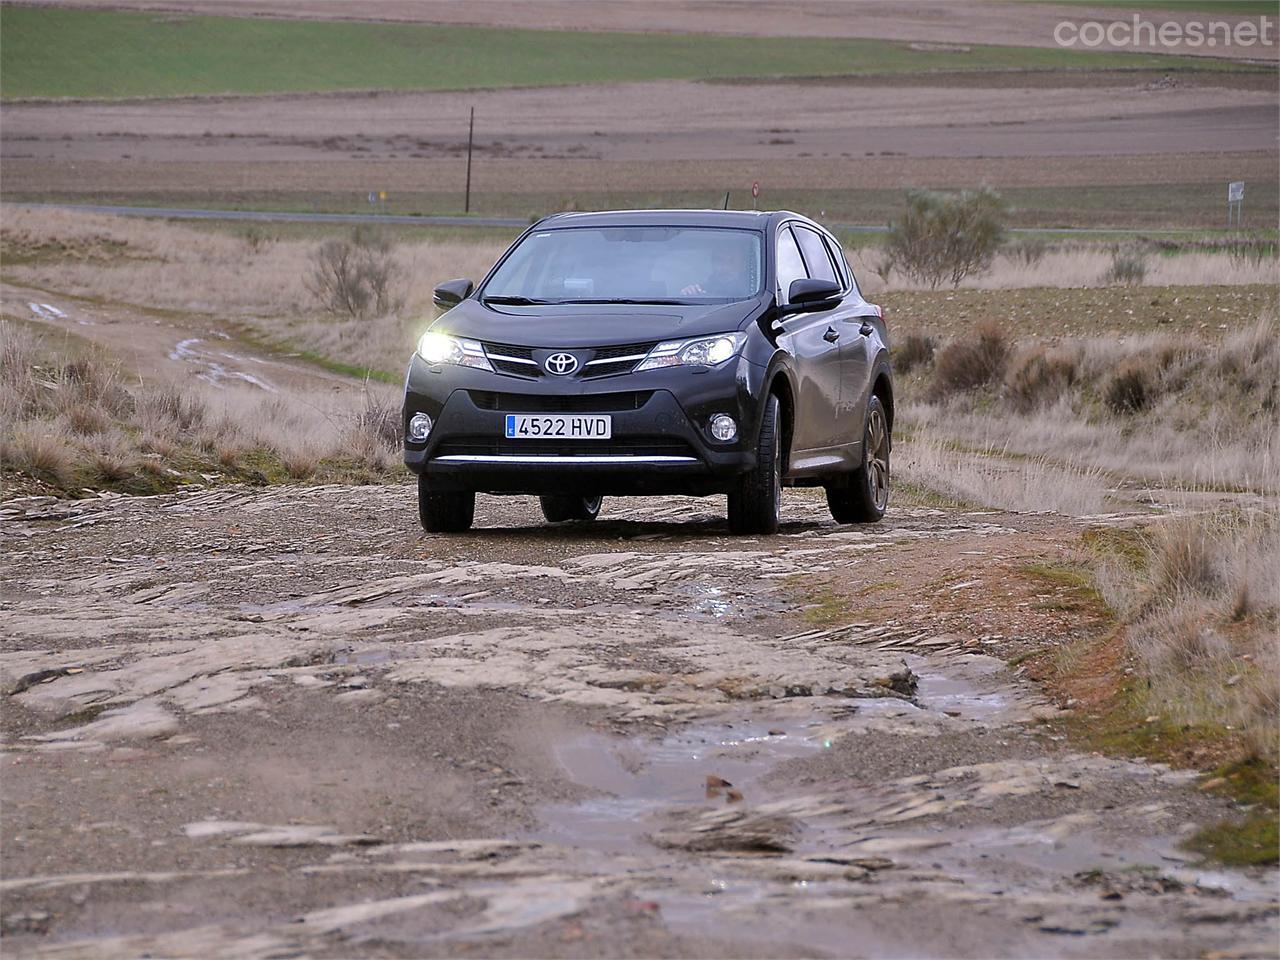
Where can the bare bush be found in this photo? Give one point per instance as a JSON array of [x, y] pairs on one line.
[[1027, 253], [1128, 267], [1039, 377], [948, 237], [971, 361], [358, 278], [380, 419], [1130, 388], [913, 350]]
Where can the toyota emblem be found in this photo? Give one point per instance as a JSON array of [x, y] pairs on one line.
[[561, 364]]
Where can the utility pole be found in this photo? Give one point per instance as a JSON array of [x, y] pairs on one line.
[[471, 133]]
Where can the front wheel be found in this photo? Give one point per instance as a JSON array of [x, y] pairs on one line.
[[755, 505], [560, 507], [867, 495], [445, 511]]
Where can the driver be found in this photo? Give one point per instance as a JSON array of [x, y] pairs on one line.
[[729, 276]]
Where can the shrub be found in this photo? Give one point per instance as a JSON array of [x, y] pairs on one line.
[[380, 422], [915, 350], [359, 277], [1028, 252], [1039, 377], [944, 236], [1127, 267], [1130, 388], [971, 361]]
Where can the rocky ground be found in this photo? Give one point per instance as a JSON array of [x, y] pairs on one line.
[[282, 721]]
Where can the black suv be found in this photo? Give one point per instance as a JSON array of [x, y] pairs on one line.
[[654, 352]]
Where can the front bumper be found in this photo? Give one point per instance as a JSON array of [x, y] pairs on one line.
[[659, 443]]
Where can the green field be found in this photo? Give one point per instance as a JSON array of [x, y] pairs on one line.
[[1243, 8], [56, 52]]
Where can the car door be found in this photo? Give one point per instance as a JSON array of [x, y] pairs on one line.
[[814, 341], [860, 342]]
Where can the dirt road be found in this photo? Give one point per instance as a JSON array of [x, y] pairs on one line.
[[267, 722]]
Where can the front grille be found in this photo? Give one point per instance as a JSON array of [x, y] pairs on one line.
[[635, 351], [506, 358], [518, 361], [532, 403], [619, 446]]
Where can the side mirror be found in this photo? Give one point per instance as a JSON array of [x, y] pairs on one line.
[[811, 293], [451, 293]]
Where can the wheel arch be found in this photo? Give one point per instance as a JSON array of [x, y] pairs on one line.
[[882, 387], [780, 385]]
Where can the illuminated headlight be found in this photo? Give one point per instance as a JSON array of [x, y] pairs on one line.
[[702, 352], [419, 427], [442, 348], [723, 427]]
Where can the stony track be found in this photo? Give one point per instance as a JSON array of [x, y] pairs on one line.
[[282, 721]]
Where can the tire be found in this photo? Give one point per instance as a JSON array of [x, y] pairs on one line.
[[866, 497], [559, 508], [446, 511], [755, 503]]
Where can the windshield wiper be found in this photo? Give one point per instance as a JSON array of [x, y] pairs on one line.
[[627, 300], [515, 301]]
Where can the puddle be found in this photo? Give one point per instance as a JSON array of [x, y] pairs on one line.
[[638, 778], [363, 657], [214, 371]]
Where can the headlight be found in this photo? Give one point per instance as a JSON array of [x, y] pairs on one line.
[[702, 352], [442, 348]]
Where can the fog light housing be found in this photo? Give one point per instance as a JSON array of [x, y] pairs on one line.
[[724, 428], [419, 427]]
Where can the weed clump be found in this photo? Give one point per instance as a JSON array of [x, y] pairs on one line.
[[970, 362], [914, 350]]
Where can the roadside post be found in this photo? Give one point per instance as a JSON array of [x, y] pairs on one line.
[[471, 132], [1235, 202]]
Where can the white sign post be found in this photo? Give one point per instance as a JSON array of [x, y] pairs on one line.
[[1235, 203]]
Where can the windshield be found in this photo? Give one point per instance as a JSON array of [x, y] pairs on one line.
[[630, 265]]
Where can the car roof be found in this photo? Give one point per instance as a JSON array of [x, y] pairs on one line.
[[741, 219]]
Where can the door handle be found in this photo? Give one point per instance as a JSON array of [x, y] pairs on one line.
[[831, 336], [866, 329]]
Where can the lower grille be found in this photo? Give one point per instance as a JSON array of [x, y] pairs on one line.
[[532, 403], [622, 446]]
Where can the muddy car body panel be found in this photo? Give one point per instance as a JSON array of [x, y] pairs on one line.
[[823, 357]]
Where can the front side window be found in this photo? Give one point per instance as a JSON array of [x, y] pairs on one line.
[[630, 264], [790, 265], [815, 255]]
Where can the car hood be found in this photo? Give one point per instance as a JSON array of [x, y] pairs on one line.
[[593, 325]]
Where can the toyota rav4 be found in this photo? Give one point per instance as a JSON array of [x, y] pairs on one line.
[[654, 352]]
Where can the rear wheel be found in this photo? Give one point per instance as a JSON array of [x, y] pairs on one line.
[[559, 508], [755, 505], [865, 498], [449, 511]]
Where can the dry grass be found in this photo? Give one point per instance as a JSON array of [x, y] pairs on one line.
[[1160, 408], [67, 423], [1085, 266], [266, 284], [1202, 615], [1024, 485]]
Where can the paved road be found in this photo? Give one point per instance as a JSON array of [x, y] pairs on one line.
[[272, 216]]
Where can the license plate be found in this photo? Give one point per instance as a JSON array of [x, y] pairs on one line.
[[554, 426]]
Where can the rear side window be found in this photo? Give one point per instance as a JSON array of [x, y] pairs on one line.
[[790, 266], [837, 257]]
